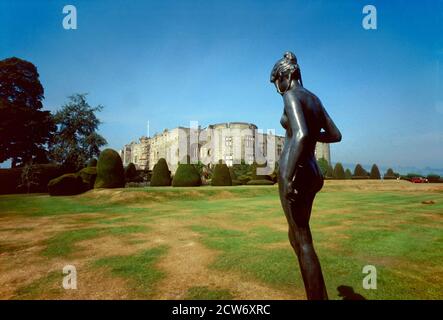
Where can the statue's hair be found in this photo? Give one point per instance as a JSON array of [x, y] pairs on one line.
[[286, 67]]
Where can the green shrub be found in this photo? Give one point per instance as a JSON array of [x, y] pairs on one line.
[[244, 179], [110, 172], [329, 172], [348, 174], [339, 172], [359, 171], [232, 173], [88, 176], [65, 185], [375, 173], [186, 176], [260, 182], [236, 182], [323, 165], [221, 176], [241, 169], [131, 172], [161, 176], [390, 174]]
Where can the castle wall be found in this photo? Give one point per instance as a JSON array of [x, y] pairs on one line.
[[232, 143]]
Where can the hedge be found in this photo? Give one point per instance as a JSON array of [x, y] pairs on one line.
[[10, 179]]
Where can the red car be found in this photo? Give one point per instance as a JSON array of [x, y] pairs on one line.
[[419, 180]]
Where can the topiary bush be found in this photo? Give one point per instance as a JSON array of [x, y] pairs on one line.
[[339, 171], [390, 174], [186, 176], [88, 176], [260, 182], [130, 172], [66, 185], [375, 173], [221, 176], [110, 172], [161, 176]]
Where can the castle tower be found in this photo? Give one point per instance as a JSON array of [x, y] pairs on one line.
[[322, 150]]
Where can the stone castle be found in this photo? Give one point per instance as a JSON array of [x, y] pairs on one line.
[[231, 142]]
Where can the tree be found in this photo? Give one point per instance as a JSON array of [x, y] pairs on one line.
[[375, 173], [323, 164], [329, 172], [339, 172], [348, 174], [29, 177], [359, 171], [76, 140], [25, 129]]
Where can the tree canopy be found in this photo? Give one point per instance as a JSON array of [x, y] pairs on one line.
[[76, 140], [25, 129]]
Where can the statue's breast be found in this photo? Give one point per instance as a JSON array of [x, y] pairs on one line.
[[284, 121]]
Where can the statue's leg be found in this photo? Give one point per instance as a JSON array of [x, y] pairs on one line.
[[301, 240]]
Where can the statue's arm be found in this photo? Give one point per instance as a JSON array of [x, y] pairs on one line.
[[331, 133], [299, 129]]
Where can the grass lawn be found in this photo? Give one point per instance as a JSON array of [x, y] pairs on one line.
[[220, 242]]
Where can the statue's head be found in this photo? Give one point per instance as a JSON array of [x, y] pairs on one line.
[[285, 71]]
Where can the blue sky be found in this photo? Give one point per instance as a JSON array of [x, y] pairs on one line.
[[171, 62]]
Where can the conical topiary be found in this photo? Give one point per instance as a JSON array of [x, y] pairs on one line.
[[110, 172], [161, 176]]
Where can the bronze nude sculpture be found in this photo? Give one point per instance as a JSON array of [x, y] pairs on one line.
[[306, 122]]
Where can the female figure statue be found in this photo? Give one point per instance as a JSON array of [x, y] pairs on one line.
[[306, 122]]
